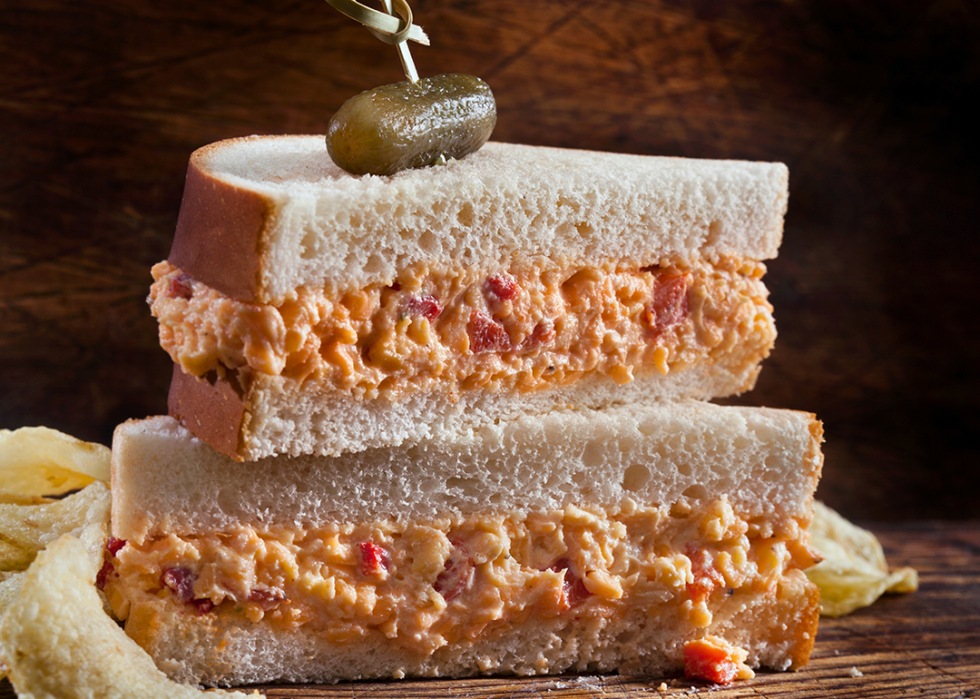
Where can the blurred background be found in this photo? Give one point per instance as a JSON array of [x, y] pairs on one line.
[[871, 105]]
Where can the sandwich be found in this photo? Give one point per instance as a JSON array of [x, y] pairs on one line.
[[641, 539], [309, 311]]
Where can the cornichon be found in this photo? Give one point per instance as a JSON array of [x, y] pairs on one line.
[[410, 125]]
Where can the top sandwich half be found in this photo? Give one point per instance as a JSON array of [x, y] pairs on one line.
[[515, 280]]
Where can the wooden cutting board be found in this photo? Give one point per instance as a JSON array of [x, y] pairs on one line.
[[926, 644]]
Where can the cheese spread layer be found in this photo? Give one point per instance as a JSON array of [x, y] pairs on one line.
[[537, 326], [423, 586]]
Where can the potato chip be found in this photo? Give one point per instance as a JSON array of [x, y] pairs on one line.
[[38, 461], [14, 499], [10, 584], [56, 640], [30, 528], [26, 529], [9, 587], [14, 557], [854, 572]]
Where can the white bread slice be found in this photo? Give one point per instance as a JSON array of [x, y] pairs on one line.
[[264, 215], [765, 461], [278, 416]]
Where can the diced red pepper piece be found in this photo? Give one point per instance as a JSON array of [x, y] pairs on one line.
[[543, 333], [669, 306], [103, 574], [374, 559], [502, 287], [266, 594], [424, 306], [487, 335], [180, 286], [181, 582], [457, 574], [112, 547], [266, 597], [203, 606], [706, 661], [706, 577], [573, 589]]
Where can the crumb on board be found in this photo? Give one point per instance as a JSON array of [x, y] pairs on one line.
[[854, 672], [591, 682]]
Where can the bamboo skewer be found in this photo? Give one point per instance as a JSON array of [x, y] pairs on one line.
[[391, 28]]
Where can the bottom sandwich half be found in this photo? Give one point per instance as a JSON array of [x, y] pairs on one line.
[[643, 540]]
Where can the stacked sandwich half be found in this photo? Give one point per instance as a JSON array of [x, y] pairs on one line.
[[452, 421]]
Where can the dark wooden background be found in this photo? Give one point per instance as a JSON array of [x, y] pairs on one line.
[[870, 105]]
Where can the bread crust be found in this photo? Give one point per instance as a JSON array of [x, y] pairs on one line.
[[219, 230], [214, 410], [808, 620]]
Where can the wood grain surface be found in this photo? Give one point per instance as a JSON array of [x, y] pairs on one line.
[[870, 105], [925, 644]]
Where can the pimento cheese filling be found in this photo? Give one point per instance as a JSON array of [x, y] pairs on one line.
[[537, 326], [423, 586]]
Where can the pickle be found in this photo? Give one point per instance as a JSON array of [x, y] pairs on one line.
[[411, 125]]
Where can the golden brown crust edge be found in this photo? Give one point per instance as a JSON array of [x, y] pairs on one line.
[[806, 630], [214, 412], [219, 231], [814, 456]]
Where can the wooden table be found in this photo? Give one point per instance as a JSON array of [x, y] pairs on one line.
[[925, 644]]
